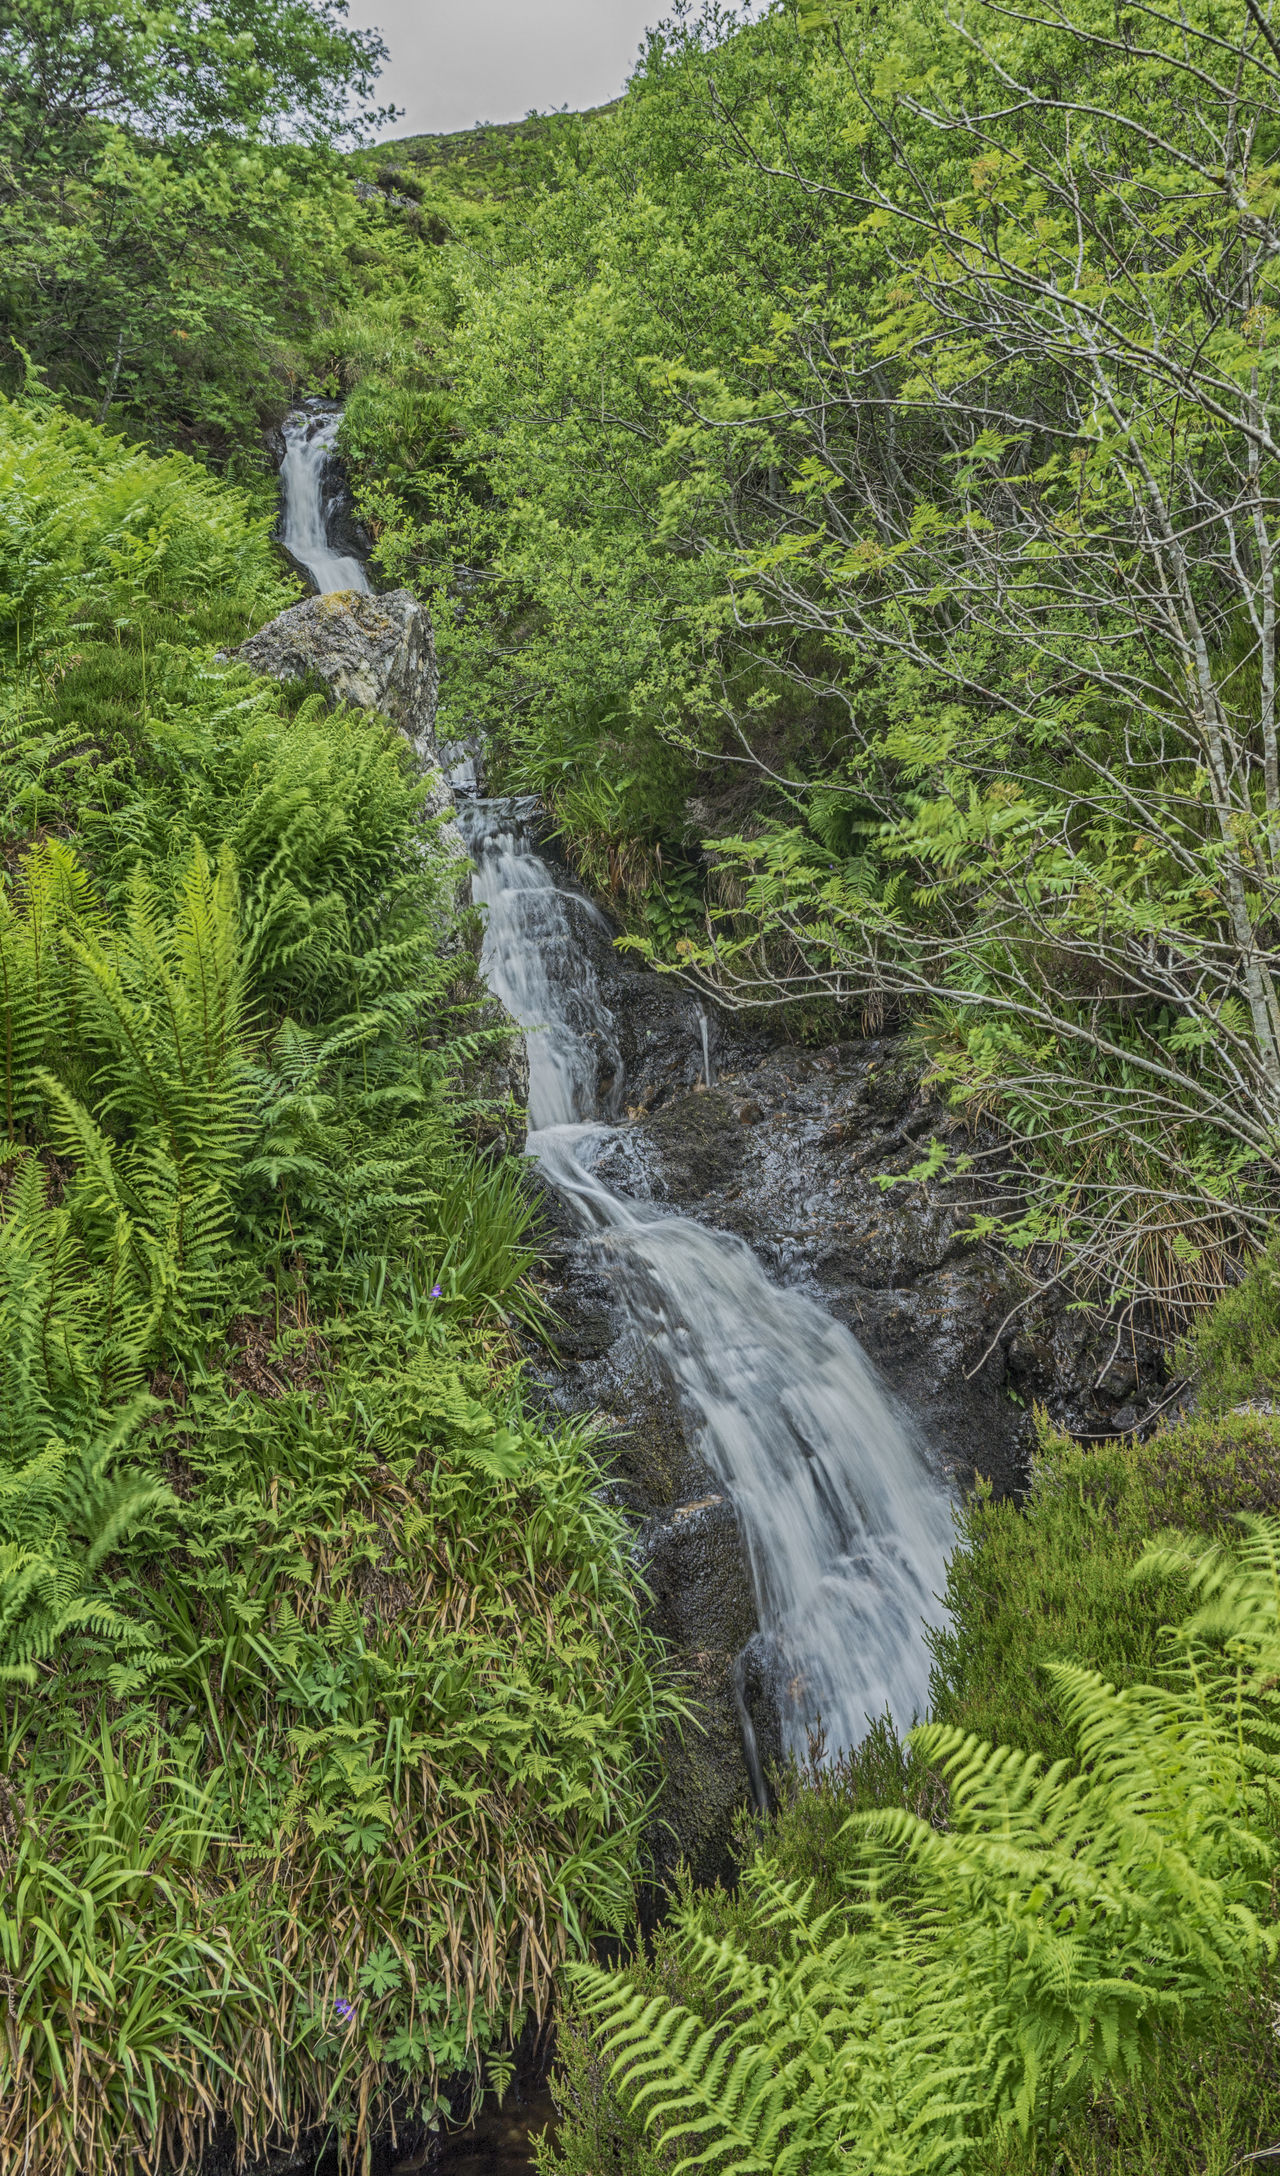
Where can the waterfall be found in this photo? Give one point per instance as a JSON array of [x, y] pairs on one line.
[[846, 1528], [310, 500], [705, 1026]]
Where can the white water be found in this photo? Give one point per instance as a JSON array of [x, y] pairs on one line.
[[309, 442], [846, 1528]]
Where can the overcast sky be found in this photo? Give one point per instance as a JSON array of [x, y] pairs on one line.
[[495, 60]]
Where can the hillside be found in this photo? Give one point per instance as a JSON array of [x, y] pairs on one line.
[[456, 1585], [495, 158], [326, 1701]]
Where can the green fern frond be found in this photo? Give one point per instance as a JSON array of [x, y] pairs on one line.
[[63, 1511], [1040, 1938]]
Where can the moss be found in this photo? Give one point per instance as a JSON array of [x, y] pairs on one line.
[[1235, 1349], [1054, 1578]]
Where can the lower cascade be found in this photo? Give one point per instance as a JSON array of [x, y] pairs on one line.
[[847, 1529]]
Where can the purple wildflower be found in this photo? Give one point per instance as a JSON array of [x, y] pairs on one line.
[[343, 2010], [437, 1291]]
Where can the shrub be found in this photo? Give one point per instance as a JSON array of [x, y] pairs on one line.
[[1051, 1580], [1235, 1347]]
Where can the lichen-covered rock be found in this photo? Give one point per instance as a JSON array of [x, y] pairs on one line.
[[377, 653]]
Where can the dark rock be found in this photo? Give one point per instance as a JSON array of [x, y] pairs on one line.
[[1118, 1379], [760, 1695], [698, 1146], [346, 534], [695, 1565], [1031, 1362]]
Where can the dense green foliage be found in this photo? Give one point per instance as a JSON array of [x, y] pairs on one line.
[[326, 1700], [1050, 1580], [985, 1973], [171, 208], [857, 452], [845, 475], [901, 1853]]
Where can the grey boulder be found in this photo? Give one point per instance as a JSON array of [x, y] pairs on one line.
[[376, 653]]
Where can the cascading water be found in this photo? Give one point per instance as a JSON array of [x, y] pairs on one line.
[[310, 502], [846, 1528]]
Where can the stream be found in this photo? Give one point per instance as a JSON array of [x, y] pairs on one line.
[[846, 1526]]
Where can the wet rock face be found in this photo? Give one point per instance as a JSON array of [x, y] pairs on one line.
[[688, 1548], [787, 1151], [693, 1560], [804, 1138]]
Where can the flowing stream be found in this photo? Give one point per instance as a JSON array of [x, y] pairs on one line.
[[846, 1527], [311, 498]]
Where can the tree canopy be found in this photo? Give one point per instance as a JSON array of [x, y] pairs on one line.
[[169, 201], [863, 454]]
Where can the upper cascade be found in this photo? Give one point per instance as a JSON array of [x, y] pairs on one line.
[[313, 493]]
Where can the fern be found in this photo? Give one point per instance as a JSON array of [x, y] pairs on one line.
[[63, 1511], [372, 1691], [985, 1973], [163, 997], [38, 1016]]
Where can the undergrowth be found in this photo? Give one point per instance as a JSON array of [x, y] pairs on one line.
[[1043, 1612], [1050, 1580], [326, 1702]]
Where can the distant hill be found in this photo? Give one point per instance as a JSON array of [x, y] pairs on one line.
[[496, 158]]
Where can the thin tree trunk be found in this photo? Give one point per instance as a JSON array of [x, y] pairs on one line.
[[112, 382]]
